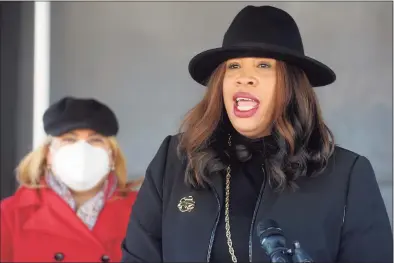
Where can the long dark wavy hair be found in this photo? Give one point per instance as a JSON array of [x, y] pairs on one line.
[[304, 141]]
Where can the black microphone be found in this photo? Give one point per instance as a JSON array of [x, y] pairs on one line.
[[273, 242]]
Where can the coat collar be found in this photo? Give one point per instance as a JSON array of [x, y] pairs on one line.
[[52, 215]]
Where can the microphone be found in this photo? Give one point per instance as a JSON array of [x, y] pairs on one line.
[[273, 242]]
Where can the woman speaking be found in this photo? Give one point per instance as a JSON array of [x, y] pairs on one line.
[[256, 149]]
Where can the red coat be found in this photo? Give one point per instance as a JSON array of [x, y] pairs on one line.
[[38, 226]]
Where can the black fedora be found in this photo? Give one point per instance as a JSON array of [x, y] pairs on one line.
[[263, 31]]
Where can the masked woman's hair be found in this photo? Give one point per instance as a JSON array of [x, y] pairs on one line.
[[304, 141], [33, 167]]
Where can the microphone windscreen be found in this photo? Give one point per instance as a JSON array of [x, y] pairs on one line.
[[268, 227]]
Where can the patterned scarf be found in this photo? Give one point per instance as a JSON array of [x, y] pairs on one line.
[[89, 211]]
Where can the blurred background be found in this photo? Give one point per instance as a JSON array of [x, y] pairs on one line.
[[134, 55]]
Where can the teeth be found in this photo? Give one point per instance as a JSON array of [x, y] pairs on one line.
[[245, 104], [244, 99], [245, 108]]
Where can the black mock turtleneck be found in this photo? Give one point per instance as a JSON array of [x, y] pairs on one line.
[[247, 179]]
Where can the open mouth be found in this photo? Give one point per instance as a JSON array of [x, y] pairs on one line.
[[245, 104]]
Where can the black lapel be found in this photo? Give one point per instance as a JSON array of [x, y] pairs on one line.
[[218, 185], [190, 232], [264, 211]]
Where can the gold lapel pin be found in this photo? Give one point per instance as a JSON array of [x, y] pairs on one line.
[[186, 204]]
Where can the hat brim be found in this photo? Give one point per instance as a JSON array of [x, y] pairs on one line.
[[66, 127], [203, 65]]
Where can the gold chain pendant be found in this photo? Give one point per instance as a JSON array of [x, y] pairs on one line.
[[227, 217]]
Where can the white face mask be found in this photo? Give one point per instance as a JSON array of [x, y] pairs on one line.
[[80, 165]]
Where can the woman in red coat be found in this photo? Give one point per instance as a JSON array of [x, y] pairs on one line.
[[74, 201]]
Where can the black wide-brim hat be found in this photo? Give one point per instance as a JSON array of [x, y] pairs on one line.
[[263, 31]]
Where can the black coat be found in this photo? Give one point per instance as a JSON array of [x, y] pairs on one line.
[[338, 216]]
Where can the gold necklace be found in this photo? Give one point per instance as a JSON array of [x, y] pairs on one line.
[[227, 217], [227, 210]]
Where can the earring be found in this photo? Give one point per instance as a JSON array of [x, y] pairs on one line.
[[229, 140]]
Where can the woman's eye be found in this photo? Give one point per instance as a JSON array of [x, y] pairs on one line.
[[264, 65], [96, 140], [233, 66], [68, 139]]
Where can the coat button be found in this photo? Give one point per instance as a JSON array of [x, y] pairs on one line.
[[105, 258], [59, 256]]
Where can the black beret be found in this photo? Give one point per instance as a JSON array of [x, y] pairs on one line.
[[71, 113]]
